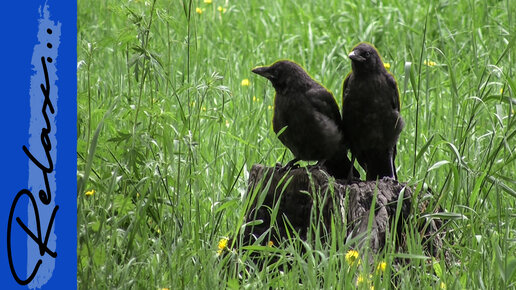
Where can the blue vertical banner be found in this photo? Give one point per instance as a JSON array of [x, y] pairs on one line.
[[38, 217]]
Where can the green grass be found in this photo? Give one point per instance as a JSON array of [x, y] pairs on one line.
[[167, 135]]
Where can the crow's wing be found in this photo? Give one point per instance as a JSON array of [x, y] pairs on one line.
[[324, 102], [396, 95]]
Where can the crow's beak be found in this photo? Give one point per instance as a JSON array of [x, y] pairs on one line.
[[356, 57], [263, 71]]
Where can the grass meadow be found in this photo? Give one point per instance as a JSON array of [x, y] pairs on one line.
[[171, 119]]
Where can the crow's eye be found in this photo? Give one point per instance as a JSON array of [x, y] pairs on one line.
[[367, 54]]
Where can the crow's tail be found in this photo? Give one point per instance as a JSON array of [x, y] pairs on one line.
[[340, 167]]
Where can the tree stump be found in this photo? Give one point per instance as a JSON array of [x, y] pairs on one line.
[[284, 202]]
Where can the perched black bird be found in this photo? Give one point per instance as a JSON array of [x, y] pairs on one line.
[[309, 117], [371, 113]]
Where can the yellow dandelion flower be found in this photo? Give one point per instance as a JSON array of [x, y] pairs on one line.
[[429, 63], [387, 65], [245, 82], [164, 289], [443, 285], [223, 244], [381, 266], [501, 91], [207, 1], [360, 279], [159, 231], [137, 195], [270, 243], [90, 192], [221, 9], [269, 107], [352, 257], [204, 109], [198, 10]]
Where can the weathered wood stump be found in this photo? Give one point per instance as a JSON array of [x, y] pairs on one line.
[[288, 202]]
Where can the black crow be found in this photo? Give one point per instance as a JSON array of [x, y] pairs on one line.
[[371, 113], [307, 118]]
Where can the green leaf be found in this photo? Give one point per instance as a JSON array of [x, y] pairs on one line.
[[446, 215], [410, 256], [99, 256], [424, 148], [438, 164], [474, 194], [437, 268], [123, 204], [233, 284], [95, 226], [510, 270]]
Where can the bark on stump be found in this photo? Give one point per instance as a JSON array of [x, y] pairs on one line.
[[290, 198]]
